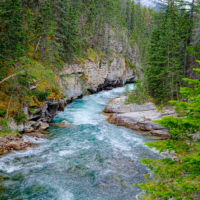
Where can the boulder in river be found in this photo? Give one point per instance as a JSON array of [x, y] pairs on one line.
[[63, 124]]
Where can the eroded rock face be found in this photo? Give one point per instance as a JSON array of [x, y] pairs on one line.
[[39, 118], [131, 121], [90, 76], [14, 126], [137, 117]]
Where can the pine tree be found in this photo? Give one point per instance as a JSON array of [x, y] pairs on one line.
[[167, 50]]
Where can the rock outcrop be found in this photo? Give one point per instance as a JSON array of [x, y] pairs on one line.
[[39, 117], [76, 81], [118, 105], [137, 117]]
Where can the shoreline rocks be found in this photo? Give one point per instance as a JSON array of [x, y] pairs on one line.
[[11, 143], [137, 117]]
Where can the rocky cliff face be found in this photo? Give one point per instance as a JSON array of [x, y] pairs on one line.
[[104, 73], [79, 79]]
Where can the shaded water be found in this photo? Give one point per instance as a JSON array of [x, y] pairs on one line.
[[92, 160]]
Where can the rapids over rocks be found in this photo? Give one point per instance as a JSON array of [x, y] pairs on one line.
[[92, 160]]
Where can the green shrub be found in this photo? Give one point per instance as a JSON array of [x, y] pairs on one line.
[[2, 112], [4, 123], [139, 94], [129, 64], [20, 117], [41, 95]]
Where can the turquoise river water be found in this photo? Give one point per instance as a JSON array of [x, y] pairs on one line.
[[93, 160]]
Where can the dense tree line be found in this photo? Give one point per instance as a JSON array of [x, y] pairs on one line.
[[167, 52], [62, 27], [165, 49]]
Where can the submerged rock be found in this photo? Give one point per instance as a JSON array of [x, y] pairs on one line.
[[63, 124], [137, 117]]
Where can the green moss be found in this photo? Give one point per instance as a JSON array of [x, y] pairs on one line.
[[65, 75], [91, 55]]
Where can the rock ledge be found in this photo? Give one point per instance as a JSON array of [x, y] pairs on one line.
[[137, 117]]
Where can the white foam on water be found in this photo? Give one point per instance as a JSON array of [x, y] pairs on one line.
[[9, 169], [35, 140], [89, 112], [65, 195], [66, 152], [119, 144], [100, 137]]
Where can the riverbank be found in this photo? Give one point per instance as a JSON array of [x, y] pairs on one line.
[[39, 120], [137, 117]]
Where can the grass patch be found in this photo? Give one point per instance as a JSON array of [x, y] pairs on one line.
[[4, 133]]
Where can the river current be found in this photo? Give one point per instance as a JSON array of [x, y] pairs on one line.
[[92, 160]]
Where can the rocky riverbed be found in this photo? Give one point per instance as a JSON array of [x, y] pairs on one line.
[[137, 117]]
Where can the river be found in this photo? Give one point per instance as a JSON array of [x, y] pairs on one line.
[[92, 160]]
